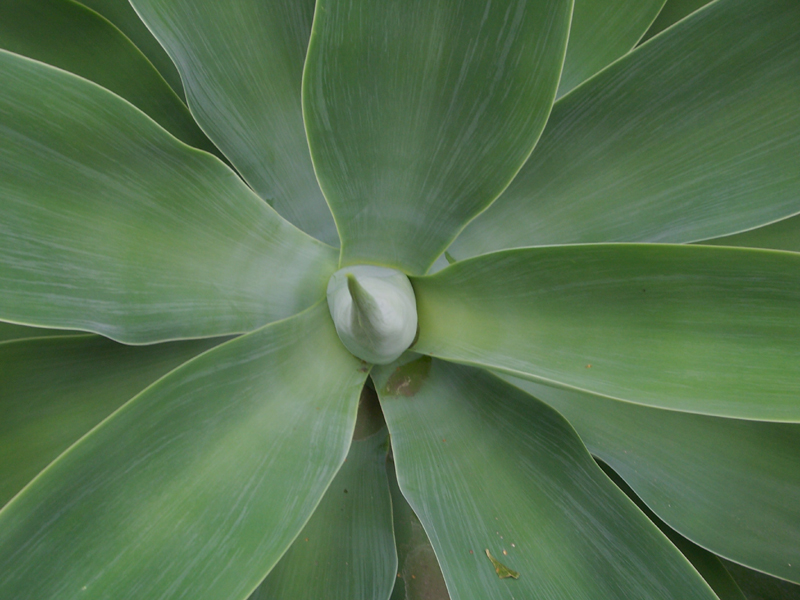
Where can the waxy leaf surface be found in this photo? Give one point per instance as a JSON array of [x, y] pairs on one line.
[[222, 462], [692, 135], [420, 113], [68, 35], [601, 32], [673, 11], [781, 235], [54, 390], [485, 466], [122, 15], [346, 551], [696, 328], [730, 485], [109, 224], [242, 65]]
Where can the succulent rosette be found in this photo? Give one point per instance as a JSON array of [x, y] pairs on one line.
[[371, 299]]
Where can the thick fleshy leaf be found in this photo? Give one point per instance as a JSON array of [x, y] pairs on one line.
[[12, 331], [346, 551], [758, 586], [488, 468], [418, 574], [730, 485], [414, 135], [676, 142], [54, 390], [707, 564], [122, 15], [601, 32], [68, 35], [223, 461], [782, 235], [109, 224], [242, 65], [695, 328], [673, 11]]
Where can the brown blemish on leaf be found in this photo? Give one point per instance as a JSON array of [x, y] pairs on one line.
[[503, 572], [408, 379]]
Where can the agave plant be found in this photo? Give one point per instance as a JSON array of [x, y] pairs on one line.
[[410, 295]]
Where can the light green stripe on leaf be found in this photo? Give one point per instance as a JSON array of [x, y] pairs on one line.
[[122, 15], [109, 224], [781, 235], [694, 328], [730, 485], [601, 32], [67, 35], [693, 135], [346, 551], [420, 113], [486, 467], [242, 65], [222, 461], [12, 331], [55, 390]]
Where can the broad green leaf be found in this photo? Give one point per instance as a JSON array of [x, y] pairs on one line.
[[707, 564], [486, 467], [413, 134], [692, 135], [730, 485], [694, 328], [12, 331], [346, 551], [222, 462], [242, 65], [673, 11], [109, 224], [781, 235], [758, 586], [68, 35], [418, 574], [601, 32], [54, 390], [122, 15]]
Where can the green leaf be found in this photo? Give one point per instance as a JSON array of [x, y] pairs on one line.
[[695, 328], [707, 564], [486, 466], [673, 11], [122, 15], [781, 235], [418, 574], [242, 65], [68, 35], [414, 135], [693, 135], [758, 586], [601, 32], [223, 461], [57, 389], [730, 485], [12, 331], [346, 551], [109, 224]]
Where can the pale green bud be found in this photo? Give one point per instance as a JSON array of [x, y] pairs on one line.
[[374, 310]]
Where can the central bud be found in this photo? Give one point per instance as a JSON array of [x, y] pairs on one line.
[[374, 310]]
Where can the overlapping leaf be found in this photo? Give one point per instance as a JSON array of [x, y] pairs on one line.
[[242, 64], [730, 485], [696, 328], [413, 135], [109, 224], [486, 467], [54, 390], [220, 463], [693, 135]]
